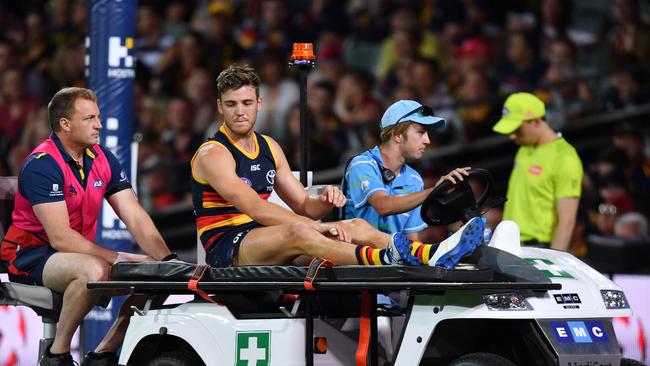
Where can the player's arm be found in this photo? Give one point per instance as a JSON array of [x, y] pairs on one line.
[[387, 204], [567, 209], [214, 164], [138, 223], [293, 193], [56, 222]]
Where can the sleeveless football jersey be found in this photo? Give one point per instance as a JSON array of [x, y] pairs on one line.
[[215, 215]]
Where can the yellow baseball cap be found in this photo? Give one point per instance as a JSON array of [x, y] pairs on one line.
[[519, 107]]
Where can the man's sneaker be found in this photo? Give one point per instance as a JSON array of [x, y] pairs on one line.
[[49, 359], [399, 251], [100, 359], [461, 243]]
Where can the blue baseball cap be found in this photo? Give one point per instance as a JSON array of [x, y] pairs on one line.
[[410, 110]]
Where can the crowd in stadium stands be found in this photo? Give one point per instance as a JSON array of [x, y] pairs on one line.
[[460, 57]]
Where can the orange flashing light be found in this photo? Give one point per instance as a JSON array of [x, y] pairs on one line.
[[303, 51]]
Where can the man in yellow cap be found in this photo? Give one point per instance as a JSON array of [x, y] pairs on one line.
[[545, 183]]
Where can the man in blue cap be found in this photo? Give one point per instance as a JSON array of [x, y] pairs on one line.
[[380, 186]]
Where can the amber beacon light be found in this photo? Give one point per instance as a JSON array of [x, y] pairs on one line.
[[303, 54]]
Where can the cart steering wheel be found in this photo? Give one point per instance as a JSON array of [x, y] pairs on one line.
[[449, 202]]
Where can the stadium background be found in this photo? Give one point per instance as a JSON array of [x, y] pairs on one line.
[[587, 59]]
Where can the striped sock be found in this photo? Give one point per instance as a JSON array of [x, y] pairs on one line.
[[423, 252], [368, 256]]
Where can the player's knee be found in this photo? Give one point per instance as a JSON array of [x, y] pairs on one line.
[[359, 224], [301, 232], [97, 271]]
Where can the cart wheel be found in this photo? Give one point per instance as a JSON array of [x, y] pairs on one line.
[[629, 362], [175, 359], [481, 359]]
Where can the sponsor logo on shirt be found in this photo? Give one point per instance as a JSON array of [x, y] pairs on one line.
[[247, 181], [72, 191], [56, 191], [364, 185], [535, 169], [98, 183], [270, 176], [122, 176]]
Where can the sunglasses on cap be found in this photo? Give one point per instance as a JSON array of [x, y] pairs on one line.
[[423, 109]]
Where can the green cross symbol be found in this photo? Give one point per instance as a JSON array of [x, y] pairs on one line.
[[550, 269], [253, 348]]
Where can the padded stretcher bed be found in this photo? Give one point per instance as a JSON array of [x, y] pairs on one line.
[[490, 269]]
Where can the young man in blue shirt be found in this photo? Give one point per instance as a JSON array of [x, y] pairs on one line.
[[382, 188]]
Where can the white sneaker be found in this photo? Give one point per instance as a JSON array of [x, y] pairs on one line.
[[459, 244], [506, 237]]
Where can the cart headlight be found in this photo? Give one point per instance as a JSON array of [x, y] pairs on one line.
[[614, 299], [506, 301]]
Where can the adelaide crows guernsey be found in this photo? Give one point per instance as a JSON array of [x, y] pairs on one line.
[[216, 216]]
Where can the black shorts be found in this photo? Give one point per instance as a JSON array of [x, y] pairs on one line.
[[225, 248]]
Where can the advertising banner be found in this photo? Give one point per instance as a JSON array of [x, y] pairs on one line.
[[110, 72]]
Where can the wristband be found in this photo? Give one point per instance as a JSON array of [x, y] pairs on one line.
[[169, 257]]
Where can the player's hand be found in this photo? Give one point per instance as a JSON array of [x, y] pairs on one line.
[[333, 196], [455, 176], [333, 230], [131, 257]]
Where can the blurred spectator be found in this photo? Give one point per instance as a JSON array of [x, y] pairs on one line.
[[522, 69], [630, 138], [606, 219], [565, 97], [327, 127], [200, 90], [68, 66], [223, 48], [36, 130], [625, 88], [407, 38], [320, 152], [631, 225], [560, 52], [432, 92], [355, 104], [152, 40], [320, 16], [279, 93], [184, 57], [273, 28], [631, 35], [176, 16], [479, 109], [181, 140], [329, 65], [613, 190], [16, 104]]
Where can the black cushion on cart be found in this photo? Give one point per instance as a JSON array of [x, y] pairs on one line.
[[490, 264], [176, 271]]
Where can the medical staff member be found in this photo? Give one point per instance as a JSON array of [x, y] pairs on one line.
[[61, 187], [380, 186], [546, 179]]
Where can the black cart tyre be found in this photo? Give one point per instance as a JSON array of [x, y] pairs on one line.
[[175, 359], [629, 362], [481, 359]]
